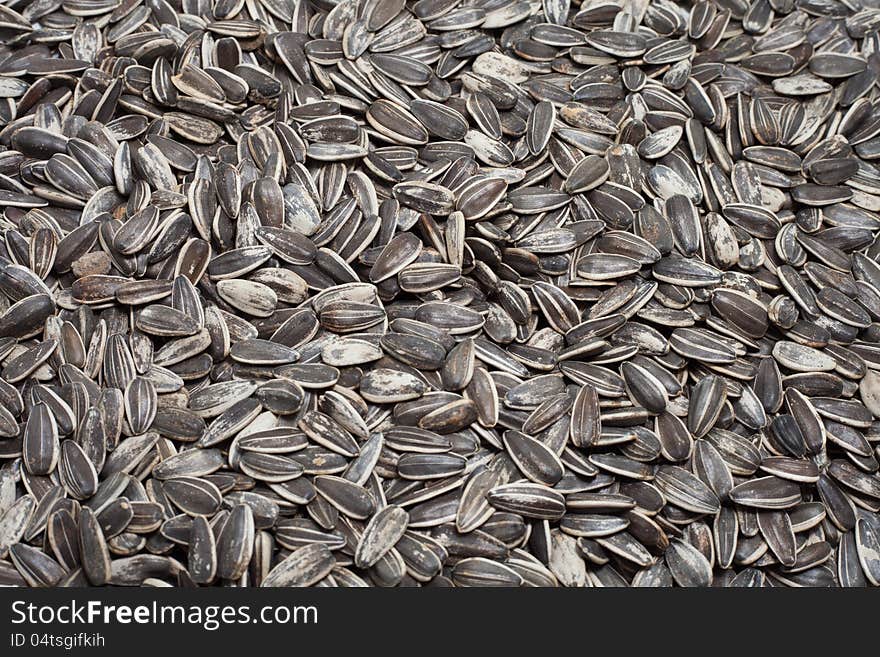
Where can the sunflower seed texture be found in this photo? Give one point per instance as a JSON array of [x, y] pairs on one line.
[[440, 293]]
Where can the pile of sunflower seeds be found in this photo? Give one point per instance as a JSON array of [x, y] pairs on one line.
[[445, 293]]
